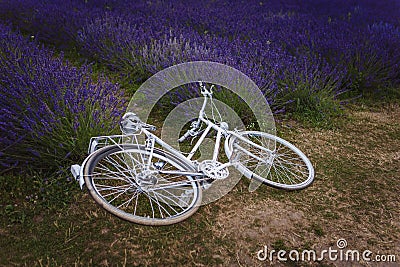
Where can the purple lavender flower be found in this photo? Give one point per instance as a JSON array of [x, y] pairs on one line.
[[45, 101], [331, 46]]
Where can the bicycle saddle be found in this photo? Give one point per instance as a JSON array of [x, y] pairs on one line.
[[131, 124]]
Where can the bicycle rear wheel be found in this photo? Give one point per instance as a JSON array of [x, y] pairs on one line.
[[274, 161], [125, 180]]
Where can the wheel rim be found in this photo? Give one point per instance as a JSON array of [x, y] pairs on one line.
[[287, 168], [119, 184]]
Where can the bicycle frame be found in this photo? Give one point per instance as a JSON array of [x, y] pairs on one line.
[[151, 139], [140, 178], [221, 131]]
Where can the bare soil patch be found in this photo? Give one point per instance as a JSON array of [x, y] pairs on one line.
[[354, 196]]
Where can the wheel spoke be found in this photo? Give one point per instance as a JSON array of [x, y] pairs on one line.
[[138, 192], [289, 167]]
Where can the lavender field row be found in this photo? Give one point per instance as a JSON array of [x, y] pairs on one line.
[[49, 108], [304, 55]]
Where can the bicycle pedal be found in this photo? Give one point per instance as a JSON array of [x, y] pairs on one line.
[[75, 170], [207, 184], [213, 169]]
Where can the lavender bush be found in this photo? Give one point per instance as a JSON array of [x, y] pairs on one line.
[[49, 109], [54, 22], [303, 54]]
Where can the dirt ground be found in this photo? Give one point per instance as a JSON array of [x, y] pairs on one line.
[[352, 207], [354, 197]]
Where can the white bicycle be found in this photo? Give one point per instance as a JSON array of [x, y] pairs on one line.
[[132, 178]]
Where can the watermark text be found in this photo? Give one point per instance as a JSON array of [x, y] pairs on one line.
[[339, 253]]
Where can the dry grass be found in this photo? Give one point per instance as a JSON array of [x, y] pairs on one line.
[[354, 196]]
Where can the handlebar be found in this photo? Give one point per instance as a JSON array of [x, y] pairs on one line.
[[204, 91], [207, 93], [186, 135]]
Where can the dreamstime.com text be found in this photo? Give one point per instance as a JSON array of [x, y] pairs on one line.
[[332, 254]]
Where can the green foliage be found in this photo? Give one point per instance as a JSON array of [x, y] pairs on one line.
[[240, 107], [315, 107], [51, 192], [66, 144], [14, 215]]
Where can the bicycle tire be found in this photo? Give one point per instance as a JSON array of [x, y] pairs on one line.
[[112, 178], [288, 168]]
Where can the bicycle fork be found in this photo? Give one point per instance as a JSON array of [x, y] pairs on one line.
[[246, 172]]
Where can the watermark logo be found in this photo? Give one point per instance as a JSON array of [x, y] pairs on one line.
[[341, 243], [340, 253], [176, 83]]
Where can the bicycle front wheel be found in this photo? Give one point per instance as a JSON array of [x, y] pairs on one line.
[[270, 159], [126, 181]]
